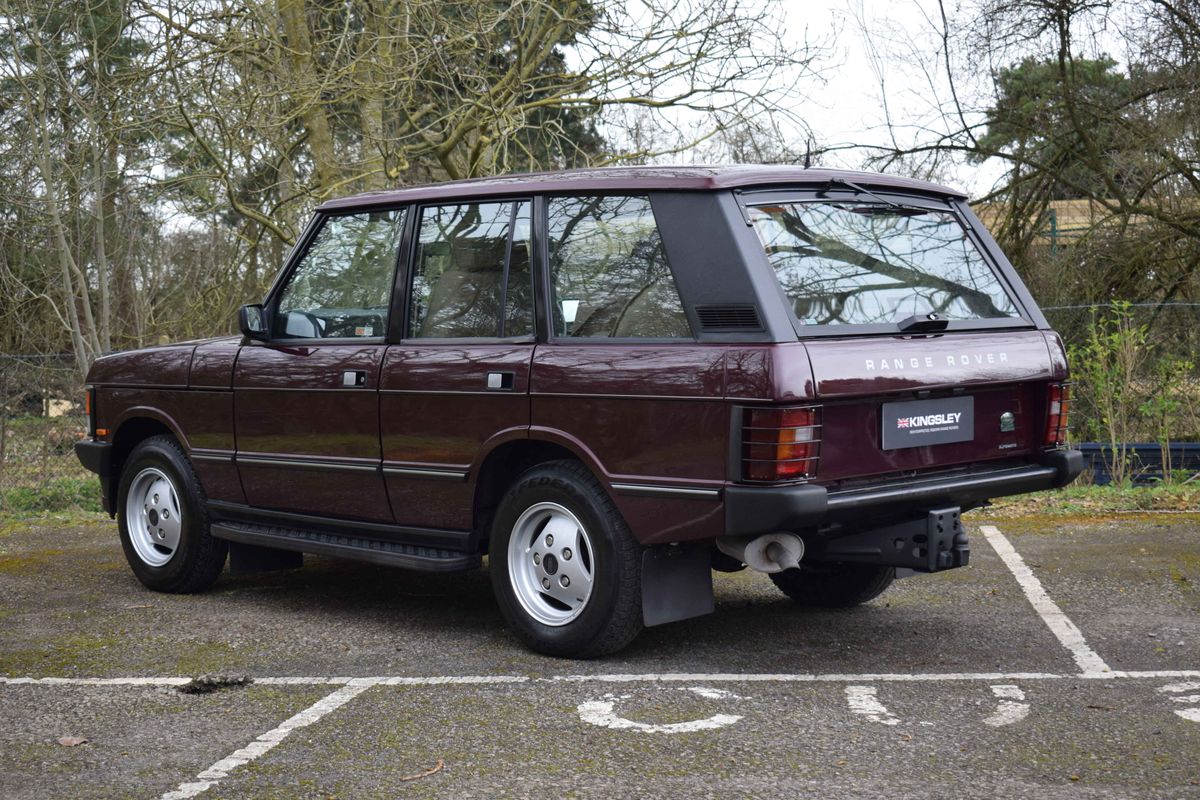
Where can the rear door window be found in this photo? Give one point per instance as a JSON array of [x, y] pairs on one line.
[[472, 276], [851, 263], [609, 271]]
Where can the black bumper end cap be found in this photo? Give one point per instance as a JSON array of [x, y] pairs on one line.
[[770, 509], [95, 456], [1067, 463]]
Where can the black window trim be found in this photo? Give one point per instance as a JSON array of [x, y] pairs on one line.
[[547, 280], [1020, 298]]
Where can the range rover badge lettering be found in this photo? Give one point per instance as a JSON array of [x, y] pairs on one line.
[[889, 363]]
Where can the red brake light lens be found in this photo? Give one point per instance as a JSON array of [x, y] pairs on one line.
[[1058, 406], [780, 444]]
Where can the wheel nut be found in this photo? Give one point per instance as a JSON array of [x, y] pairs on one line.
[[545, 583], [537, 558], [156, 498], [565, 581], [165, 513], [549, 539], [566, 554]]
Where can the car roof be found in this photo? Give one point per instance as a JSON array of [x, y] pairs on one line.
[[641, 179]]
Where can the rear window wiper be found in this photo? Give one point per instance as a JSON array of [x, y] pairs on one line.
[[921, 323], [862, 190]]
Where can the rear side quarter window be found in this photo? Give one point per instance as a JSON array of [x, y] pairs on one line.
[[609, 272]]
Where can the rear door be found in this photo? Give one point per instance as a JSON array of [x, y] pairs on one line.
[[460, 376], [306, 403]]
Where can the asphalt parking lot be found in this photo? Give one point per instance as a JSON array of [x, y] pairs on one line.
[[1064, 662]]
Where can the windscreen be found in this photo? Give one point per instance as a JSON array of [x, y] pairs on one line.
[[848, 263]]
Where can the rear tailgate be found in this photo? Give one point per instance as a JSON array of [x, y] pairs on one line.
[[893, 404]]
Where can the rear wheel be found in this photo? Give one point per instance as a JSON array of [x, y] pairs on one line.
[[565, 568], [164, 522], [834, 585]]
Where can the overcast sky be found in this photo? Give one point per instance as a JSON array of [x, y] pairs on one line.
[[889, 68]]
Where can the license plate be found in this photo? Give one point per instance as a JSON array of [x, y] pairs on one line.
[[918, 423]]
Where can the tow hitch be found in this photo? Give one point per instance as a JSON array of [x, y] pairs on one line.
[[937, 542]]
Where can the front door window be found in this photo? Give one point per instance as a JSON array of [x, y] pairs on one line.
[[342, 287]]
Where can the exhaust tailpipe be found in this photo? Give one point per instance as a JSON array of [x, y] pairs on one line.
[[772, 552]]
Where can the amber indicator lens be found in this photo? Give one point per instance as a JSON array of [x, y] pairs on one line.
[[1057, 412], [780, 443]]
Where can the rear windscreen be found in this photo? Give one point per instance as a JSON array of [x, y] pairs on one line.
[[863, 264]]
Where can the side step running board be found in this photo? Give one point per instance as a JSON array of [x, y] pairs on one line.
[[392, 554]]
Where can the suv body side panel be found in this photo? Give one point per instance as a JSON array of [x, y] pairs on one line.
[[214, 447], [654, 417], [436, 413], [305, 442]]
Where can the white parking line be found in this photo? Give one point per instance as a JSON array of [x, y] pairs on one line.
[[1067, 632], [1012, 708], [265, 743], [1190, 714], [602, 713], [864, 700], [650, 677]]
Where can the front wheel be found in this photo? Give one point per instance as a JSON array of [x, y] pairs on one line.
[[164, 522], [834, 585], [565, 568]]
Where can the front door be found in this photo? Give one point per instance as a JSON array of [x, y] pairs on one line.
[[460, 377], [306, 403]]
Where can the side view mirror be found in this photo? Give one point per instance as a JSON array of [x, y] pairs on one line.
[[253, 322]]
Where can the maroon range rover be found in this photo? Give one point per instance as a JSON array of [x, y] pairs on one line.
[[610, 382]]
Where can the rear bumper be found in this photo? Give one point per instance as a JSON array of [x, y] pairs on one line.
[[753, 510]]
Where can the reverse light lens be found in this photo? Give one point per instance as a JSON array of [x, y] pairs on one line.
[[1058, 406], [89, 410], [780, 443]]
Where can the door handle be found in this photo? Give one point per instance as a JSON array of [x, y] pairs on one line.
[[354, 378], [500, 381]]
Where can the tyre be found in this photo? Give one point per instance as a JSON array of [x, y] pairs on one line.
[[834, 585], [565, 568], [164, 521]]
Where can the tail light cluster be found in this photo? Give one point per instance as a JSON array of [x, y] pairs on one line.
[[1058, 405], [780, 444]]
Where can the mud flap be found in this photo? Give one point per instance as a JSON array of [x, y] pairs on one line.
[[676, 584]]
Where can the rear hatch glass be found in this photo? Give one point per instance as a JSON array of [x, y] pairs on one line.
[[899, 398], [851, 263]]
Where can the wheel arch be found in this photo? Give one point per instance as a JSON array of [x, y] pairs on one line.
[[135, 427], [506, 460]]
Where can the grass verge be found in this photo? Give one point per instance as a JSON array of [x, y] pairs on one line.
[[1099, 500]]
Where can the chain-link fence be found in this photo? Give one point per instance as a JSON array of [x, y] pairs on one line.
[[42, 413], [41, 417]]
